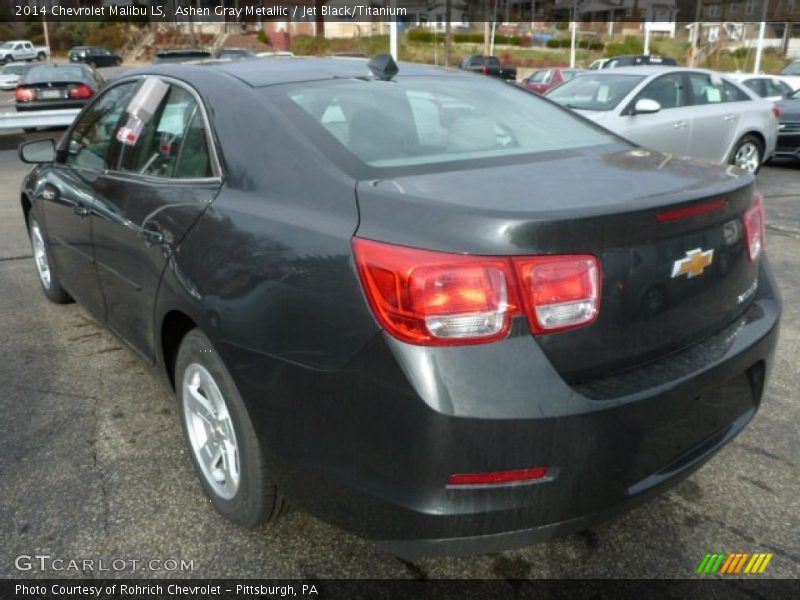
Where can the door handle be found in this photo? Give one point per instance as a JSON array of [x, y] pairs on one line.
[[680, 124], [151, 236], [81, 211]]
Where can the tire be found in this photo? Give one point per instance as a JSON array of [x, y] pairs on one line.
[[29, 130], [44, 264], [118, 62], [748, 153], [91, 63], [8, 59], [41, 56], [248, 498]]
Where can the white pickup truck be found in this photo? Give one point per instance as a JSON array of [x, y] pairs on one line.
[[22, 50]]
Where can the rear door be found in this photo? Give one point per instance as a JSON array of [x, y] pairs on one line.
[[715, 115], [667, 130], [164, 177]]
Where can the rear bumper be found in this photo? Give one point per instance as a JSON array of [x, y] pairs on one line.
[[50, 105], [370, 447], [788, 146]]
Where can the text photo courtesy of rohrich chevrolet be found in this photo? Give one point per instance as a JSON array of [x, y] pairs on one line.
[[341, 299]]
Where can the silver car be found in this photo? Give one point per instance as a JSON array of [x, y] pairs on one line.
[[9, 75], [676, 110]]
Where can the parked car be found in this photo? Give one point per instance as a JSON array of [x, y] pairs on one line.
[[234, 53], [598, 64], [788, 145], [9, 75], [51, 86], [275, 54], [409, 347], [95, 56], [630, 60], [677, 110], [546, 79], [488, 65], [791, 74], [765, 86], [18, 50], [178, 55]]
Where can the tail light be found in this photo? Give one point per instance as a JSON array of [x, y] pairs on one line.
[[24, 94], [754, 228], [437, 298], [80, 92], [485, 70], [776, 111], [563, 291]]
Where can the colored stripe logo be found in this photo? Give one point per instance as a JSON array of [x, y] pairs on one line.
[[735, 563]]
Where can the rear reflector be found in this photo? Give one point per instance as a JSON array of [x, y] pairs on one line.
[[676, 214], [754, 228], [437, 298], [498, 477]]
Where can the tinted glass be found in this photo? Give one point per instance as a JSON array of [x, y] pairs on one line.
[[756, 85], [731, 93], [90, 140], [667, 90], [776, 87], [156, 150], [194, 160], [46, 73], [540, 76], [13, 69], [430, 120], [704, 91], [595, 92]]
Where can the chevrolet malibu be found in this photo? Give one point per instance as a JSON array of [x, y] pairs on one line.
[[680, 111], [364, 313]]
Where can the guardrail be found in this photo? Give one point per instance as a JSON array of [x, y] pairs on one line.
[[38, 118]]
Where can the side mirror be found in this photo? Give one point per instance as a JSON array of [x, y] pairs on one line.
[[646, 106], [37, 151]]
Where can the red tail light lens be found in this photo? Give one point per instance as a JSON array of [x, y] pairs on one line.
[[485, 70], [25, 94], [754, 228], [562, 292], [776, 111], [498, 477], [80, 91], [437, 298]]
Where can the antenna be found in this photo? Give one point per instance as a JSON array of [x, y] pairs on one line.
[[383, 67]]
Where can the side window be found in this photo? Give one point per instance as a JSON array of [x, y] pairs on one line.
[[756, 86], [704, 91], [667, 90], [776, 87], [731, 93], [90, 140], [193, 160], [155, 151]]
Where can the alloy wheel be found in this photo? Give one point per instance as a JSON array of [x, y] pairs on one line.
[[748, 157], [40, 255], [211, 434]]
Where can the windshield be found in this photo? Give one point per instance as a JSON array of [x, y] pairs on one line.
[[540, 76], [7, 45], [47, 73], [13, 69], [432, 120], [595, 91]]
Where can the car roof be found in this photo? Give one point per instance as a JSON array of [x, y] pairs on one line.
[[648, 70], [257, 72]]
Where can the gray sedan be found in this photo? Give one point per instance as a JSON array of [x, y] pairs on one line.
[[676, 110]]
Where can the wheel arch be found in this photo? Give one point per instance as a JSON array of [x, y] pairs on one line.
[[174, 327], [27, 205]]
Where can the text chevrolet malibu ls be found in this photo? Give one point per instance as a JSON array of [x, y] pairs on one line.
[[366, 310]]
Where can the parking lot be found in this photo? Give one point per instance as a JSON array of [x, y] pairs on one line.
[[94, 466]]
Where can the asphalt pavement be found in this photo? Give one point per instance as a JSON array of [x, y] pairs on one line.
[[93, 462]]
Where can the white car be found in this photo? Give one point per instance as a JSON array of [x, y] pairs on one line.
[[771, 87], [9, 75], [675, 110], [791, 74]]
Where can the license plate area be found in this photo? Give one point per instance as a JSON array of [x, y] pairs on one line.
[[52, 94]]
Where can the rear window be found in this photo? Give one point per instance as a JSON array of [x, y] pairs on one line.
[[47, 73], [429, 120], [595, 92]]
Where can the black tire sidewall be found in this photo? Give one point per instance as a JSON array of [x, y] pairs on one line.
[[253, 501]]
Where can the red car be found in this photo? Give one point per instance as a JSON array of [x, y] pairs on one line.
[[544, 80]]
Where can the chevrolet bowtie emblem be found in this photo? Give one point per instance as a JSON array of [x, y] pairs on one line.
[[694, 264]]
